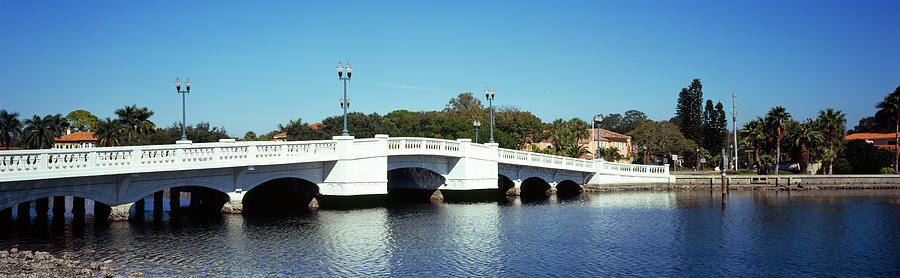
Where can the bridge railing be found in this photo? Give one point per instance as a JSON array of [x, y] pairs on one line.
[[159, 156], [414, 145], [538, 159], [604, 167]]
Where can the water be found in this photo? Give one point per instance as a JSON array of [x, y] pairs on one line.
[[651, 234]]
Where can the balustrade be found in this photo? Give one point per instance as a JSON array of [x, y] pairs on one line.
[[250, 153]]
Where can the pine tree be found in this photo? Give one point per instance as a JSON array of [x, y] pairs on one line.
[[689, 111]]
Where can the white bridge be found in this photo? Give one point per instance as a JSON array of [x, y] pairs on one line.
[[343, 166]]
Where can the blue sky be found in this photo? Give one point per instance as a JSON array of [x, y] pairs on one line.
[[255, 65]]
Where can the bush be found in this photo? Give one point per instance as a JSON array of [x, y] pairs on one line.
[[842, 166], [865, 158], [887, 170]]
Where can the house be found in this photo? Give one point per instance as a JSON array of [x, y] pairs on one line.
[[75, 140], [881, 140], [605, 137], [281, 137]]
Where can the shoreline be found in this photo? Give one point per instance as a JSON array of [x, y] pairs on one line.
[[759, 182], [24, 263]]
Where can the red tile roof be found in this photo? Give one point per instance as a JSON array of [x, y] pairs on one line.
[[866, 135], [609, 134], [76, 137]]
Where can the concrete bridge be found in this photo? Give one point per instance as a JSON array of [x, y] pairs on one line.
[[221, 174]]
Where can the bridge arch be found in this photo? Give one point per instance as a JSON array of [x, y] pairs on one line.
[[568, 188], [28, 197], [282, 195], [414, 183], [534, 188], [504, 184]]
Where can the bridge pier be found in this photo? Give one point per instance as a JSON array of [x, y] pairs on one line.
[[516, 190], [235, 203], [24, 210], [118, 212], [41, 207], [157, 202], [78, 207], [139, 208], [552, 189], [5, 215], [59, 206], [174, 199]]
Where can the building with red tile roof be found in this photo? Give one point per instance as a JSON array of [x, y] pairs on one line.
[[605, 137], [881, 140], [74, 140]]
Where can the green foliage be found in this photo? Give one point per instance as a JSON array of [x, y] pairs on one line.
[[865, 158], [887, 170], [610, 154], [136, 122], [39, 132], [842, 166], [832, 123], [689, 111], [10, 128], [250, 136], [82, 120], [619, 124], [109, 132], [662, 138], [715, 126]]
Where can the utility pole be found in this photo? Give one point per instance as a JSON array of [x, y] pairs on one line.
[[734, 131]]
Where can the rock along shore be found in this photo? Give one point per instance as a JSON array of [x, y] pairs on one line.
[[17, 263]]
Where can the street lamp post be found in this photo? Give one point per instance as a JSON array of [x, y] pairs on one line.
[[476, 124], [597, 118], [489, 94], [187, 90], [345, 101]]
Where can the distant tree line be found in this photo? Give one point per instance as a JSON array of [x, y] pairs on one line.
[[132, 126]]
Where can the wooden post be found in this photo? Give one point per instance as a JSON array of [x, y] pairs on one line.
[[724, 166]]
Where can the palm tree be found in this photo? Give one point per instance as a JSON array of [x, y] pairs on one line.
[[832, 122], [891, 106], [109, 132], [38, 132], [10, 127], [136, 120], [805, 136], [755, 133], [57, 124], [775, 120]]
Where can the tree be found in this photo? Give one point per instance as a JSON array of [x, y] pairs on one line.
[[715, 126], [136, 120], [775, 121], [632, 120], [754, 132], [689, 111], [612, 122], [662, 138], [610, 154], [465, 105], [82, 120], [891, 106], [297, 130], [832, 123], [806, 136], [520, 125], [10, 127], [109, 132], [250, 136], [39, 132], [865, 158]]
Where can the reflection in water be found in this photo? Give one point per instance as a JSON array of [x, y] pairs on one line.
[[682, 233]]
